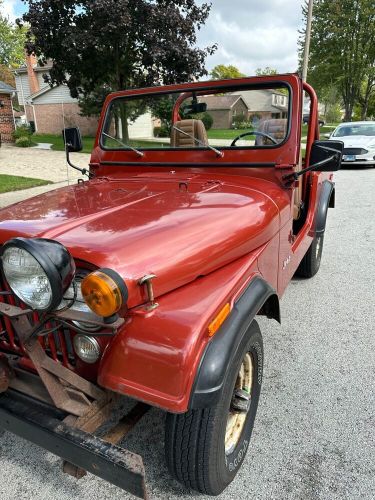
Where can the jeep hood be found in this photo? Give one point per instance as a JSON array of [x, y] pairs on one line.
[[177, 229]]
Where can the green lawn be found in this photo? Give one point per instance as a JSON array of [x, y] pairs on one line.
[[88, 142], [58, 143], [219, 133], [15, 183]]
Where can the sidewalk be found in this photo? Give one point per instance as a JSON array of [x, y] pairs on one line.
[[41, 164]]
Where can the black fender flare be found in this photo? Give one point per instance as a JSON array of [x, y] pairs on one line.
[[326, 200], [220, 351]]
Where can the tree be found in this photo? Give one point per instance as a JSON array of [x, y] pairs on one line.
[[367, 92], [342, 47], [267, 71], [12, 42], [100, 46], [221, 72]]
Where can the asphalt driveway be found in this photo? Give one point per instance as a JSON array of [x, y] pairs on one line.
[[315, 430]]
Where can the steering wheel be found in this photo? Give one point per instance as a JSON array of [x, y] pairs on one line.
[[262, 134]]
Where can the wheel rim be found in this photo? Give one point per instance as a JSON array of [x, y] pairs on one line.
[[240, 404]]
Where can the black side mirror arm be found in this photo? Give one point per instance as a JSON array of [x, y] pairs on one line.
[[83, 171], [290, 178]]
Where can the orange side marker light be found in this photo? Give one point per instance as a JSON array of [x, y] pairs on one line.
[[218, 320]]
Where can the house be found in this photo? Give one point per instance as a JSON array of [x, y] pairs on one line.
[[7, 124], [49, 109], [265, 103], [223, 109]]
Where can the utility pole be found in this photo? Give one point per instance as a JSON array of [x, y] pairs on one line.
[[307, 41]]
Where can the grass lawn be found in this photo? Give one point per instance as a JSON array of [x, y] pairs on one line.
[[15, 183], [219, 133], [58, 143], [88, 142]]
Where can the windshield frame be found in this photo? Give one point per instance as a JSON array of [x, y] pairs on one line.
[[274, 84]]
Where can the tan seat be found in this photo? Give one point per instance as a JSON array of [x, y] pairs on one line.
[[277, 128], [195, 128]]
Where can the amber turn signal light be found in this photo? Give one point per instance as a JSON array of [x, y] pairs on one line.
[[218, 320], [105, 292]]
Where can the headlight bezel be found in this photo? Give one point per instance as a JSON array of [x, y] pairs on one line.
[[55, 261]]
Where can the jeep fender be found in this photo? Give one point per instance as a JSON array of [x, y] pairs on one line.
[[219, 353], [326, 200]]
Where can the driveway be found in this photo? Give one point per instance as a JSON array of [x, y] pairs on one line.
[[314, 433], [38, 163]]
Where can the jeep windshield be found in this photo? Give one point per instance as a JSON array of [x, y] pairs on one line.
[[217, 119]]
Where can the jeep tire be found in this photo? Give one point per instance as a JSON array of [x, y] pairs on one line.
[[310, 263], [202, 446]]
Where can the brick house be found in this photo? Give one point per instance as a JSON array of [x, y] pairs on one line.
[[49, 108], [265, 103], [6, 112], [224, 108]]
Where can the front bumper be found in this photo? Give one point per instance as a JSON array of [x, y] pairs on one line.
[[44, 425], [367, 160]]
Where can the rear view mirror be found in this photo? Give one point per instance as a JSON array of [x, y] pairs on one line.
[[72, 139], [327, 136], [324, 150], [195, 108]]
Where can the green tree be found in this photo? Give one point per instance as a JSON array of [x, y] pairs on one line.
[[267, 71], [222, 72], [367, 92], [100, 46], [12, 42], [342, 47]]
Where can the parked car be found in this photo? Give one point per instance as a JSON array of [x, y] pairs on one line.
[[306, 119], [359, 143], [146, 279]]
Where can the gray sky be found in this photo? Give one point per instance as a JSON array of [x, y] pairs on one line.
[[253, 34], [250, 33]]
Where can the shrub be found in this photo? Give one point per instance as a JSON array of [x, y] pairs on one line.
[[243, 125], [23, 142], [162, 131], [22, 131], [206, 118], [237, 119]]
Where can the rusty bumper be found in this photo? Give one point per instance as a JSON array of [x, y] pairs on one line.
[[43, 425]]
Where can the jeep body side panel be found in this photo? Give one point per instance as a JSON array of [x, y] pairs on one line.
[[156, 356]]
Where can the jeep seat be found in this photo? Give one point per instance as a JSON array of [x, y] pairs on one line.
[[276, 128], [195, 128]]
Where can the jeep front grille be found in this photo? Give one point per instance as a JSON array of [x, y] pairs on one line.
[[57, 344]]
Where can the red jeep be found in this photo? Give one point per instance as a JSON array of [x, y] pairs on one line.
[[145, 279]]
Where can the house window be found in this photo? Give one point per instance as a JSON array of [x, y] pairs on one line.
[[275, 115], [279, 100]]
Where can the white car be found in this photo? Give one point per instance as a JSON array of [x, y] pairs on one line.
[[359, 142]]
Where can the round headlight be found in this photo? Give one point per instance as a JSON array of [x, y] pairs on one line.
[[86, 348], [38, 271]]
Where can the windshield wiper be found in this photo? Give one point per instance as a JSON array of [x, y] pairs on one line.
[[217, 151], [139, 153]]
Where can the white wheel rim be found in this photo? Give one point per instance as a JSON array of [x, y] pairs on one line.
[[236, 420]]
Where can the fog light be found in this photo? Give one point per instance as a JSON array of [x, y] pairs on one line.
[[86, 348]]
